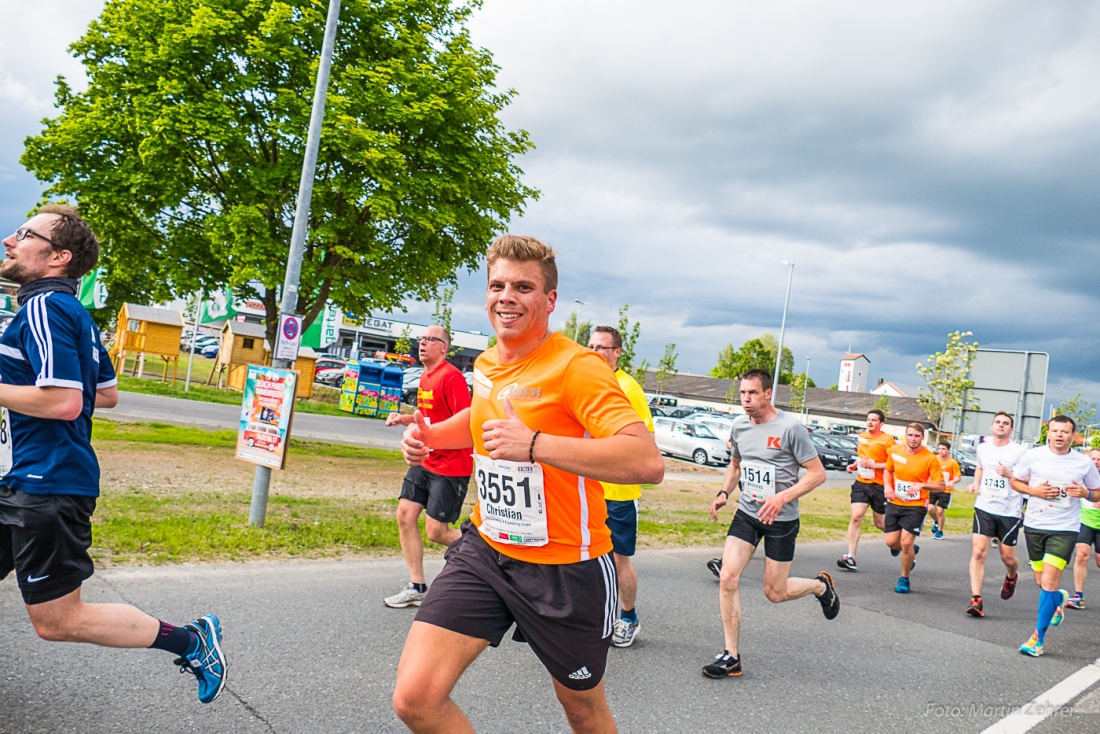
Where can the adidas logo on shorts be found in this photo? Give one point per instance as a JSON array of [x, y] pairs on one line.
[[580, 674]]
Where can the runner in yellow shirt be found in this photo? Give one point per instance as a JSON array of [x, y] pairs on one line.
[[622, 499]]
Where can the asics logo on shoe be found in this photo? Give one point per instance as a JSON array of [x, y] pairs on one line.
[[580, 674], [32, 579]]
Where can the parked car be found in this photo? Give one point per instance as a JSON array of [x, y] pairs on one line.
[[690, 440], [832, 456], [968, 461], [719, 425], [202, 341], [332, 376], [210, 352], [328, 363]]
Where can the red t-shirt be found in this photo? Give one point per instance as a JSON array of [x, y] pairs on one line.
[[442, 393]]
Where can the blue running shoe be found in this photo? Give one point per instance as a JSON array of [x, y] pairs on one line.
[[1059, 614], [903, 586], [206, 661], [1032, 646]]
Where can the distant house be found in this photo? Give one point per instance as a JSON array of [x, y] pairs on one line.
[[853, 373]]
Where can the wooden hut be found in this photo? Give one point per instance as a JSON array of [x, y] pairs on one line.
[[241, 344], [144, 330]]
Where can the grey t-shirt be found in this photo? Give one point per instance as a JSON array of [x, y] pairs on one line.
[[770, 454]]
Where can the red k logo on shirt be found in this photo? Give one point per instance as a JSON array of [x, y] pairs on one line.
[[773, 442]]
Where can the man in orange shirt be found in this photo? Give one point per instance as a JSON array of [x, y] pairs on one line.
[[938, 502], [548, 420], [871, 450], [911, 472]]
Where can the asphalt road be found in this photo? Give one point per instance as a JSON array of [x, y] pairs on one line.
[[312, 650]]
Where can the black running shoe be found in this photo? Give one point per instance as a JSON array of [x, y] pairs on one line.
[[830, 602], [715, 566], [724, 666], [895, 553], [847, 562], [975, 608]]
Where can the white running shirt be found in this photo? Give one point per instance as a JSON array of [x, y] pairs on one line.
[[1043, 465], [995, 495]]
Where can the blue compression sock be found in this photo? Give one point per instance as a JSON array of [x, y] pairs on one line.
[[631, 616], [1048, 602]]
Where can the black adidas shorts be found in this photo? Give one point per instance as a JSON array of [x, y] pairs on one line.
[[45, 538], [904, 517], [869, 493], [441, 495], [566, 612], [779, 537], [939, 499], [1005, 529], [1089, 536]]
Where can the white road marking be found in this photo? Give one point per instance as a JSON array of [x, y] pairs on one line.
[[1047, 703]]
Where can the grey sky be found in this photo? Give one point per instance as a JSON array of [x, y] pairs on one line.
[[928, 168]]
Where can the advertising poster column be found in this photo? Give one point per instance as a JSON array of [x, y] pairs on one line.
[[266, 411]]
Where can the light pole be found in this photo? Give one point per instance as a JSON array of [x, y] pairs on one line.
[[806, 392], [782, 329], [577, 327]]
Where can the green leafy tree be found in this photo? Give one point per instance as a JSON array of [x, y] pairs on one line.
[[186, 149], [443, 311], [883, 404], [754, 354], [578, 334], [947, 381], [1081, 411], [630, 333], [666, 367], [799, 383], [639, 372], [403, 344]]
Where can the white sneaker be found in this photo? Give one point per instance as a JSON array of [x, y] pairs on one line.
[[625, 632], [407, 597]]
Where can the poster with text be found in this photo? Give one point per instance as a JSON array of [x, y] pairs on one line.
[[266, 410]]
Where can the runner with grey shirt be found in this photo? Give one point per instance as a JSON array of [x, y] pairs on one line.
[[768, 447]]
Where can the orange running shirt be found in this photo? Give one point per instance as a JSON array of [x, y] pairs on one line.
[[874, 448], [923, 466], [950, 469], [561, 389]]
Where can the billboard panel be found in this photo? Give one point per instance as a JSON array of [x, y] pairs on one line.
[[1008, 380]]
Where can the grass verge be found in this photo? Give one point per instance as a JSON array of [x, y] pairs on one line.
[[323, 401]]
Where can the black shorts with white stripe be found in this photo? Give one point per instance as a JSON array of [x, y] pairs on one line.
[[565, 612]]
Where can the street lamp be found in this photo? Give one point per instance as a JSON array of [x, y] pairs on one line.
[[782, 329], [577, 327], [806, 392]]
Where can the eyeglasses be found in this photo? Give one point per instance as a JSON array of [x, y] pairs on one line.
[[22, 232], [433, 339], [604, 349]]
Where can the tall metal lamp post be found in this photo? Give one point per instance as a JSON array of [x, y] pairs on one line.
[[782, 330], [577, 327]]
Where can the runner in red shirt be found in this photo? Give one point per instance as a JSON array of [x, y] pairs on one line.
[[439, 484]]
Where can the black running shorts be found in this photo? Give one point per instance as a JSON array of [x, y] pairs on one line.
[[441, 495], [566, 612], [779, 537], [1089, 536], [1049, 546], [45, 538], [902, 517], [939, 499], [1005, 529], [869, 493]]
